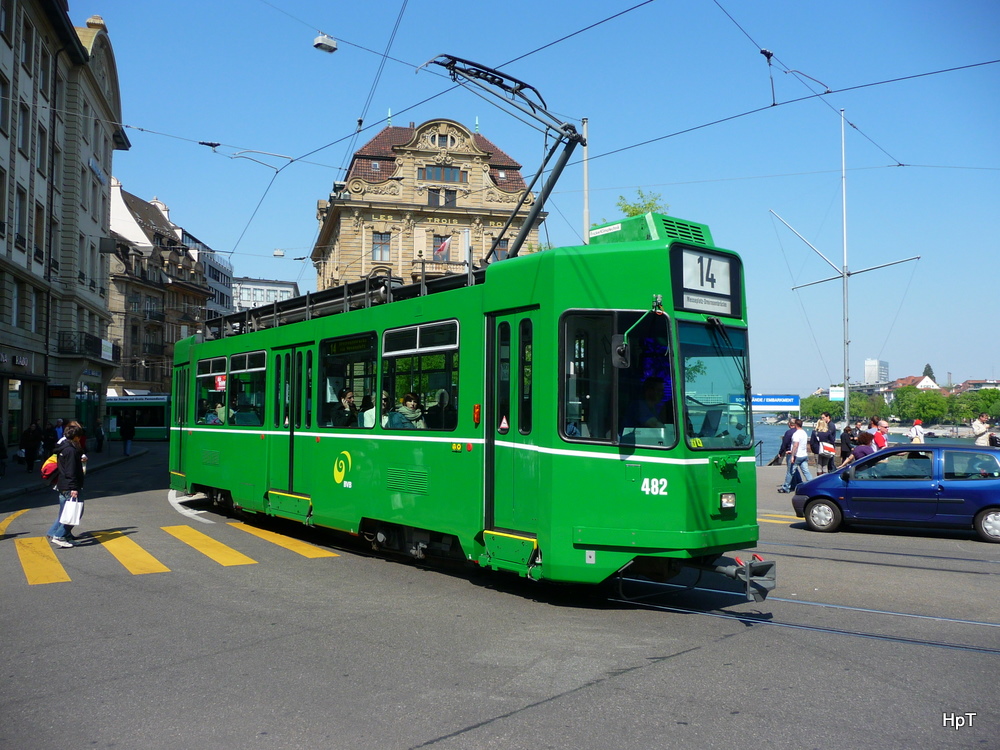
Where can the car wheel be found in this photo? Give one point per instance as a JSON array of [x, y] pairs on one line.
[[987, 525], [823, 515]]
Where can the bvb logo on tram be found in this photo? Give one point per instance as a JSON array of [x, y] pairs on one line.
[[340, 468]]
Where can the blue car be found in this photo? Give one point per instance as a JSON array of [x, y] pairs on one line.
[[955, 486]]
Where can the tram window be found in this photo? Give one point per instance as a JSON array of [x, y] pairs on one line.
[[588, 385], [247, 389], [297, 400], [308, 387], [524, 378], [600, 403], [347, 367], [211, 391], [503, 378], [646, 406], [714, 365], [422, 360], [277, 390]]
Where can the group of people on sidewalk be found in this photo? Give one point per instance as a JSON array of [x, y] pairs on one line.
[[855, 443]]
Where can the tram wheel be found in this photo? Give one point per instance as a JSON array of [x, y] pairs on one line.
[[987, 525], [823, 515]]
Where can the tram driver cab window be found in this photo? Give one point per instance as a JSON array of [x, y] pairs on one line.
[[633, 405]]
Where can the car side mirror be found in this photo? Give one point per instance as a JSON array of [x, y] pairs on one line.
[[846, 476]]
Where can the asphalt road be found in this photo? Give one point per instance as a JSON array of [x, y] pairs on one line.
[[275, 649]]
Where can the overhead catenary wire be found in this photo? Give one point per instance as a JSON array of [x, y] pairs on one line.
[[769, 55]]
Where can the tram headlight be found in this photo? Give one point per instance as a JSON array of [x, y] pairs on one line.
[[727, 500]]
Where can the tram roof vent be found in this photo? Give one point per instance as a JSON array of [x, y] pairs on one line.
[[650, 226]]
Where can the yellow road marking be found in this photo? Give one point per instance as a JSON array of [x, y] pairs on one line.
[[5, 522], [135, 559], [779, 515], [39, 561], [209, 547], [303, 548], [768, 520]]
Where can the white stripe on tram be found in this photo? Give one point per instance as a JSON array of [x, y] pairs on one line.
[[475, 441]]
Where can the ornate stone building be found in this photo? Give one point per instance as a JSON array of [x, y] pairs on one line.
[[419, 199]]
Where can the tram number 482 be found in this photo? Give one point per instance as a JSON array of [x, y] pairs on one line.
[[654, 486]]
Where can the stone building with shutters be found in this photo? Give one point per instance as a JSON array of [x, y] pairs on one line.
[[420, 200]]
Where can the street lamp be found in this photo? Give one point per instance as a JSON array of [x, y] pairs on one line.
[[325, 43]]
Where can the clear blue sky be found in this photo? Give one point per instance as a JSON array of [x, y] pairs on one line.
[[245, 74]]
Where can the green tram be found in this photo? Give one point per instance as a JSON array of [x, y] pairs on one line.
[[585, 411]]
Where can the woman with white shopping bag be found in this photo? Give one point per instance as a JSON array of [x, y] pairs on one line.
[[69, 484]]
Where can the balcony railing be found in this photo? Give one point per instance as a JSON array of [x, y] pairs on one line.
[[157, 349], [86, 344], [20, 241], [154, 314], [39, 255]]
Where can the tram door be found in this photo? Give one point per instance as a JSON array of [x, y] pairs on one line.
[[292, 369], [177, 420], [512, 461]]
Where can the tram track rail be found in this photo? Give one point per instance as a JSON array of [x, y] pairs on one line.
[[761, 619], [774, 548]]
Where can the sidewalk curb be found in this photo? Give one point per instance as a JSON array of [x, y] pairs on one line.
[[24, 490]]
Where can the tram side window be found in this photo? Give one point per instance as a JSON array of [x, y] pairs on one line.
[[589, 377], [211, 391], [247, 388], [347, 370], [421, 361], [646, 406]]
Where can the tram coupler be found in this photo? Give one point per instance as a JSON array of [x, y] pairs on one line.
[[758, 575]]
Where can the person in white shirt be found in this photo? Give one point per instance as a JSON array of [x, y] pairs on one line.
[[798, 456], [981, 429]]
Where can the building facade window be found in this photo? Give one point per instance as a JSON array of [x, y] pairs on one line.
[[6, 18], [42, 151], [4, 104], [21, 218], [442, 197], [442, 174], [27, 44], [381, 251], [3, 203], [23, 129], [442, 248]]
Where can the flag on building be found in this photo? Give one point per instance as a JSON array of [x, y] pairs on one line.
[[441, 251]]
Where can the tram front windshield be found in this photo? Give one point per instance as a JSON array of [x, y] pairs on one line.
[[715, 365]]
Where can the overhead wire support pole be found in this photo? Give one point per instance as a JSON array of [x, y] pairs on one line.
[[526, 99]]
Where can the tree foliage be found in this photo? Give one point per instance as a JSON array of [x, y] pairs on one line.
[[929, 372], [644, 203]]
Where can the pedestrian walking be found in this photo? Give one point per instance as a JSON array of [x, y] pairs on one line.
[[126, 428], [823, 443], [31, 442], [99, 435], [917, 432], [69, 484], [798, 456]]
